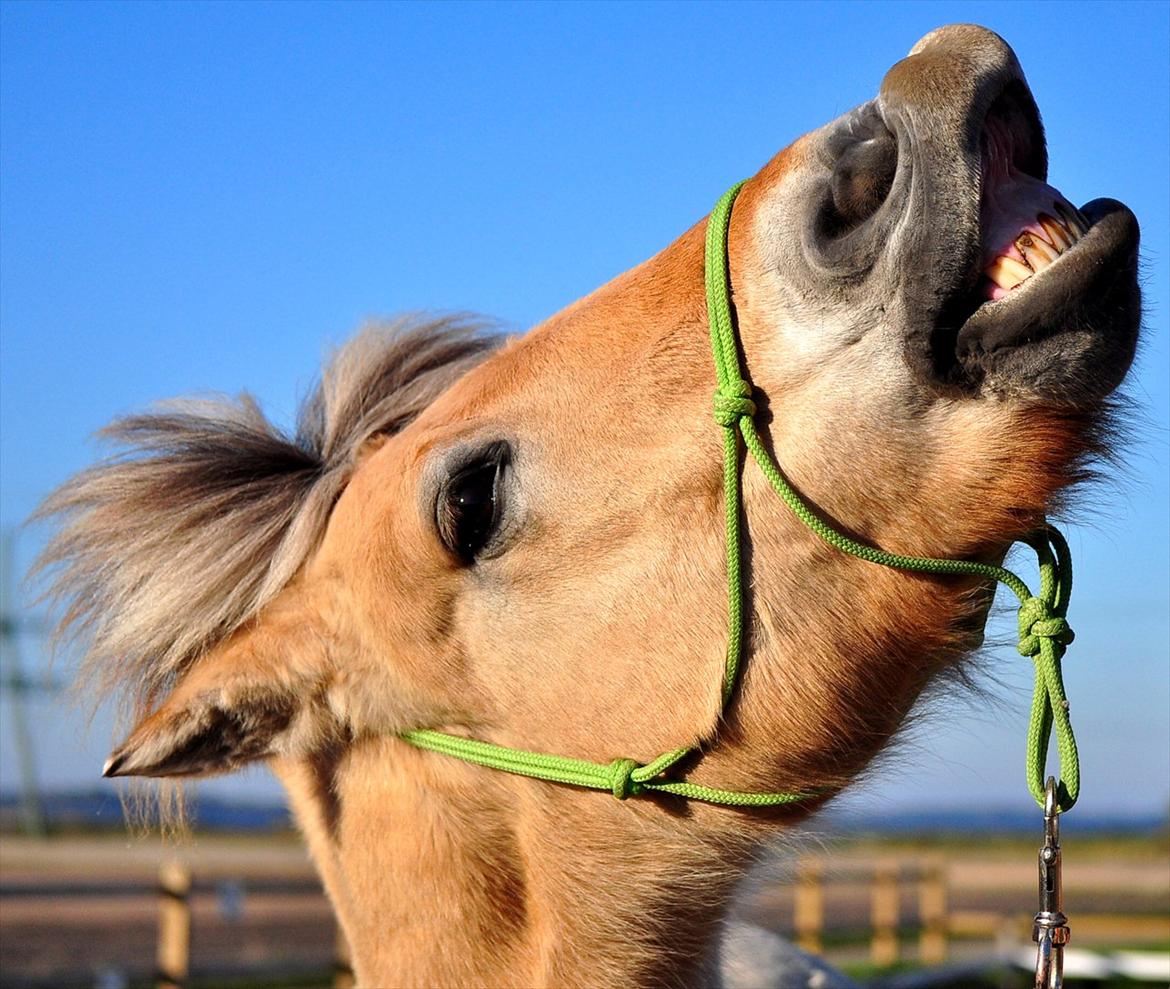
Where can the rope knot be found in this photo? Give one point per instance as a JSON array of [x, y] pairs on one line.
[[1037, 622], [622, 780], [733, 402]]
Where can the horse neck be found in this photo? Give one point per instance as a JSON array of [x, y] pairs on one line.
[[442, 874]]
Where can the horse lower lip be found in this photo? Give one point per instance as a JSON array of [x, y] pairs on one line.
[[1090, 290]]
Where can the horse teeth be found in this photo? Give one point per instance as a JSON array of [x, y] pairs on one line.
[[1007, 272], [1073, 219], [1037, 252], [1062, 238]]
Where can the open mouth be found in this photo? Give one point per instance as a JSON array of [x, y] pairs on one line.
[[1026, 225], [1047, 270]]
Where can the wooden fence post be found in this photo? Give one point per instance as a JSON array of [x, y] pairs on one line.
[[932, 914], [884, 913], [174, 924], [809, 912], [342, 962]]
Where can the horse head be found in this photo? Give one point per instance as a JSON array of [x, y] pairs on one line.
[[524, 543]]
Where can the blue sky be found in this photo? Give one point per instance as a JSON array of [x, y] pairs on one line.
[[202, 197]]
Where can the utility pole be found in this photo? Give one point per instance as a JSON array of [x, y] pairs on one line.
[[12, 678]]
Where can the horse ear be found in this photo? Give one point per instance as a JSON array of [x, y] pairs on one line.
[[259, 694]]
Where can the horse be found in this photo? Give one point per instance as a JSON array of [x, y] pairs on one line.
[[522, 544]]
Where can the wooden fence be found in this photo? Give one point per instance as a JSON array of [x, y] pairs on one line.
[[174, 929], [885, 911], [934, 923], [893, 909], [923, 881], [179, 896]]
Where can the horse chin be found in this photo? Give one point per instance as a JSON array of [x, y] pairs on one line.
[[1068, 332]]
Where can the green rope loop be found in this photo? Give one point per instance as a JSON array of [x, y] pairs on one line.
[[1037, 621], [1044, 630], [730, 408]]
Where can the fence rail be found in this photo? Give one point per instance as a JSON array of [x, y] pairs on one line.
[[935, 923], [176, 893], [174, 927], [895, 904]]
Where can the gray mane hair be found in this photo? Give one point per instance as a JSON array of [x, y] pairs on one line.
[[208, 510]]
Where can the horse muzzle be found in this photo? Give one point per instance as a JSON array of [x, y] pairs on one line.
[[1023, 292]]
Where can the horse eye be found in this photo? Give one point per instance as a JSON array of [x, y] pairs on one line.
[[468, 511]]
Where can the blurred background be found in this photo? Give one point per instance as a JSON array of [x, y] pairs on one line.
[[203, 197]]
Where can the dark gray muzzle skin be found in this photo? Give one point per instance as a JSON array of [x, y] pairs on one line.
[[903, 203]]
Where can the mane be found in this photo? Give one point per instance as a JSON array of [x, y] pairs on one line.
[[208, 510]]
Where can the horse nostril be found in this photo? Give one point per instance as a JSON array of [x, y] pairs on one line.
[[862, 179]]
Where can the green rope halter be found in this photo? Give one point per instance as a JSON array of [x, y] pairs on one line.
[[1044, 632]]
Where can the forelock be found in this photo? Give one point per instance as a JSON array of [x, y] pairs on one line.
[[207, 510]]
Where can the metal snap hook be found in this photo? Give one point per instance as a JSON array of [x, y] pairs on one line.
[[1050, 929]]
